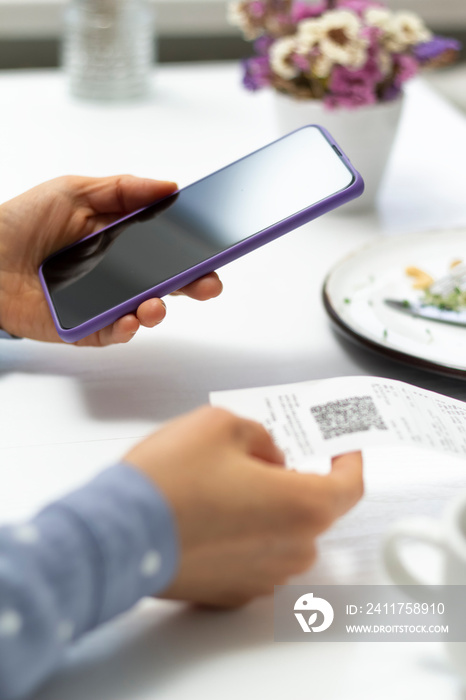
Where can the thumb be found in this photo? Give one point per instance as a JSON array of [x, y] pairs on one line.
[[346, 478], [123, 193]]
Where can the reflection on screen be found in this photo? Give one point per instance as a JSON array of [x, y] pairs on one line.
[[193, 225]]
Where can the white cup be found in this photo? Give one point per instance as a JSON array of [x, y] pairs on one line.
[[448, 537]]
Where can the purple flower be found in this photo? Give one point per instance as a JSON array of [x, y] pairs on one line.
[[282, 20], [304, 10], [256, 73], [434, 48], [372, 34], [406, 68], [371, 70], [300, 61], [359, 6], [353, 88], [257, 8], [262, 45]]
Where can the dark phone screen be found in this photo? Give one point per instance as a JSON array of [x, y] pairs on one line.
[[192, 225]]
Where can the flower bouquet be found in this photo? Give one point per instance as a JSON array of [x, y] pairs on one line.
[[346, 53]]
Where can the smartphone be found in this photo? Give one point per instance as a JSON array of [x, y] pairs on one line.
[[196, 230]]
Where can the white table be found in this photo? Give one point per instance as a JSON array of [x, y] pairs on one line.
[[67, 412]]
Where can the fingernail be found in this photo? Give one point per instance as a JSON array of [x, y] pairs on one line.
[[163, 303]]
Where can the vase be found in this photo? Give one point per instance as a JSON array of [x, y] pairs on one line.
[[366, 135], [108, 48]]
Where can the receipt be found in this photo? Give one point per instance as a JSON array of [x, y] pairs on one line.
[[328, 417]]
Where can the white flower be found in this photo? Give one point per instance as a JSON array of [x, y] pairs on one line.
[[308, 37], [341, 41], [237, 15], [407, 29], [310, 32], [280, 55], [384, 61], [378, 17], [322, 66], [400, 30]]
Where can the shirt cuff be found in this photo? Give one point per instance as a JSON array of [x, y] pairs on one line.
[[119, 543]]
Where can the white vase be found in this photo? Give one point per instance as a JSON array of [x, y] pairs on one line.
[[366, 135]]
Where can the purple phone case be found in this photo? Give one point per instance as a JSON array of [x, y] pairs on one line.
[[355, 189]]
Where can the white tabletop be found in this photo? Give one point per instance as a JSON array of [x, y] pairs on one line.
[[67, 412]]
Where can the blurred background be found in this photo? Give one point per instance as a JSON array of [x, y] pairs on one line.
[[188, 30], [197, 30]]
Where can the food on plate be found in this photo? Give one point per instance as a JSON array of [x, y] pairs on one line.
[[421, 279], [449, 292]]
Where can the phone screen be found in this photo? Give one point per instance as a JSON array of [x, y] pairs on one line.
[[192, 225]]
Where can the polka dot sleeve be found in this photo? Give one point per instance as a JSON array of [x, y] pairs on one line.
[[79, 562]]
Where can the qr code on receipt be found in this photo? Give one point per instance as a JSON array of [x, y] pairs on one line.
[[344, 416]]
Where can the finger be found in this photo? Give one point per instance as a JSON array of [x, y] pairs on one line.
[[122, 331], [320, 500], [346, 480], [123, 193], [151, 312], [204, 288], [259, 443]]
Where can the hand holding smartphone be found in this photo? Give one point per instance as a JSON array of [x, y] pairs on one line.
[[174, 241]]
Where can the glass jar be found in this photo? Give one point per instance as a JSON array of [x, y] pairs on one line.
[[108, 48]]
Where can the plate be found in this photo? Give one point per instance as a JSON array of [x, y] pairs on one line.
[[356, 287]]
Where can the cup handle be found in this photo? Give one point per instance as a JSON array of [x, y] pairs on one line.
[[421, 529]]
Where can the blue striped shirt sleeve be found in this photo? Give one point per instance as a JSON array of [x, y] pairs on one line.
[[82, 560]]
